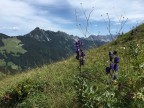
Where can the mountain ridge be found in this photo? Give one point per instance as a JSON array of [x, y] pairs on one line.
[[105, 38], [37, 48]]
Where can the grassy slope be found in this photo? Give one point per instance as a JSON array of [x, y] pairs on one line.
[[12, 45], [58, 78], [51, 86]]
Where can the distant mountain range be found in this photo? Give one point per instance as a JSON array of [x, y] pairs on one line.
[[104, 38], [37, 48]]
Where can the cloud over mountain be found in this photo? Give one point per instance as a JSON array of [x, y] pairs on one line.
[[60, 14]]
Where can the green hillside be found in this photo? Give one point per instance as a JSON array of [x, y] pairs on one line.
[[12, 45], [61, 85], [37, 48]]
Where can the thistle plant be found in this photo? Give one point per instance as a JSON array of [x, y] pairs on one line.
[[111, 56]]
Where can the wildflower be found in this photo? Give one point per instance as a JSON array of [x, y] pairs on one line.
[[82, 57], [116, 60], [107, 70], [77, 44], [77, 52], [111, 66], [82, 61], [80, 54], [116, 67], [110, 56]]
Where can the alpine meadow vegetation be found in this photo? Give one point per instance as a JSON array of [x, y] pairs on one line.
[[62, 85], [96, 89], [110, 76]]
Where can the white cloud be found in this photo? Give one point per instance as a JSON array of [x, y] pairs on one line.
[[129, 8], [10, 8], [16, 14], [22, 16], [10, 28]]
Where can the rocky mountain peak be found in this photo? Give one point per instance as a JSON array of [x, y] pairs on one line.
[[39, 34]]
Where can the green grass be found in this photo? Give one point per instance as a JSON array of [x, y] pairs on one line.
[[52, 86], [59, 90]]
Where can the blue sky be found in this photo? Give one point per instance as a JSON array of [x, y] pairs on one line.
[[18, 17]]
